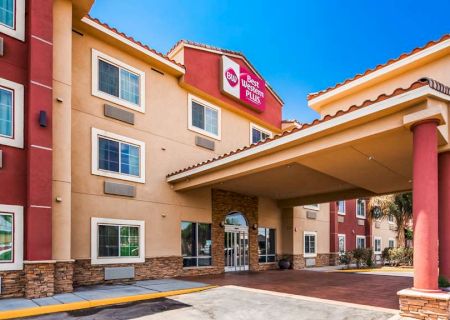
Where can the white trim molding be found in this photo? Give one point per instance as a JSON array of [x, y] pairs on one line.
[[17, 212], [374, 245], [205, 104], [18, 31], [96, 56], [95, 259], [96, 133], [310, 233], [18, 114], [259, 128]]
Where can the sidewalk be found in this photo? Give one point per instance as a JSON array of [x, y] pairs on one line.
[[99, 295]]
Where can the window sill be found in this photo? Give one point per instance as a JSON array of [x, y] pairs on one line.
[[359, 217], [100, 261], [117, 176], [267, 263], [310, 255], [341, 213], [311, 208], [205, 133], [200, 267]]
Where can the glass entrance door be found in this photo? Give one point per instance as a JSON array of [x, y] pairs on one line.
[[236, 248]]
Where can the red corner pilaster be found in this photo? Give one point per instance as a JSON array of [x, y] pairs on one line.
[[38, 219], [444, 214], [334, 246], [425, 205]]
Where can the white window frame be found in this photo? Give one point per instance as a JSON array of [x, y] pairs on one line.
[[95, 259], [18, 31], [259, 128], [18, 114], [310, 255], [361, 237], [96, 56], [315, 207], [392, 239], [205, 104], [345, 244], [374, 246], [17, 263], [267, 255], [357, 215], [96, 133], [345, 208]]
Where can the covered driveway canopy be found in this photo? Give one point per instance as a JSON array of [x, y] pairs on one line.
[[360, 151]]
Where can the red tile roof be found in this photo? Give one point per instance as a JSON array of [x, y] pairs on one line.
[[378, 67], [433, 84], [226, 51], [135, 41]]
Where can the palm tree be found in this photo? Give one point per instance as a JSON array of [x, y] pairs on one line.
[[398, 206]]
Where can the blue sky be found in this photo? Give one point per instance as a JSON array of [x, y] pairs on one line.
[[298, 46]]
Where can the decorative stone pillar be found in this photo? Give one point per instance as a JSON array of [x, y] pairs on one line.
[[444, 214], [425, 205]]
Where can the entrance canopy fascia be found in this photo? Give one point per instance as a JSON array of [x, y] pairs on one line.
[[362, 151]]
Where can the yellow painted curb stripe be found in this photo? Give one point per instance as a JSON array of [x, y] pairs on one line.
[[94, 303]]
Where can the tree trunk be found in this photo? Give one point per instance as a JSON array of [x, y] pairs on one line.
[[401, 236]]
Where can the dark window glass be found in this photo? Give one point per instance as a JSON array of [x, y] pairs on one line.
[[108, 78], [196, 244], [7, 13], [310, 243], [108, 156], [108, 241], [258, 135], [266, 245], [198, 115], [6, 237], [6, 112]]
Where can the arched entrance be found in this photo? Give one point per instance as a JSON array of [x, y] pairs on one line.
[[236, 245]]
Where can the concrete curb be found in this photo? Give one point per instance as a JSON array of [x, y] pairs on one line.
[[35, 311]]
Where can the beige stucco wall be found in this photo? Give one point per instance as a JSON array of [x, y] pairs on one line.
[[169, 147], [436, 70], [270, 216], [320, 225], [385, 231]]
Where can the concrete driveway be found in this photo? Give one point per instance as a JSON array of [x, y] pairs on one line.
[[232, 303]]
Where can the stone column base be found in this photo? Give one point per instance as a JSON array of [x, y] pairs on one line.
[[424, 305], [64, 276], [39, 279]]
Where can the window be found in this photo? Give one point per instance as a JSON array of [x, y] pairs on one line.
[[341, 243], [341, 207], [266, 245], [391, 243], [258, 133], [360, 242], [11, 237], [12, 18], [196, 244], [391, 219], [203, 117], [377, 245], [118, 82], [310, 249], [361, 209], [6, 112], [11, 113], [312, 207], [117, 241], [118, 157]]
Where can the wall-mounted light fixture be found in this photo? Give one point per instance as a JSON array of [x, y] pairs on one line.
[[43, 119], [255, 226], [222, 224]]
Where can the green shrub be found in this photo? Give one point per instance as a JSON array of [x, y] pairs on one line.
[[386, 255], [359, 255], [369, 258], [443, 282], [346, 258]]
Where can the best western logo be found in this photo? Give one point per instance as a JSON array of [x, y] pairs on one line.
[[231, 77]]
